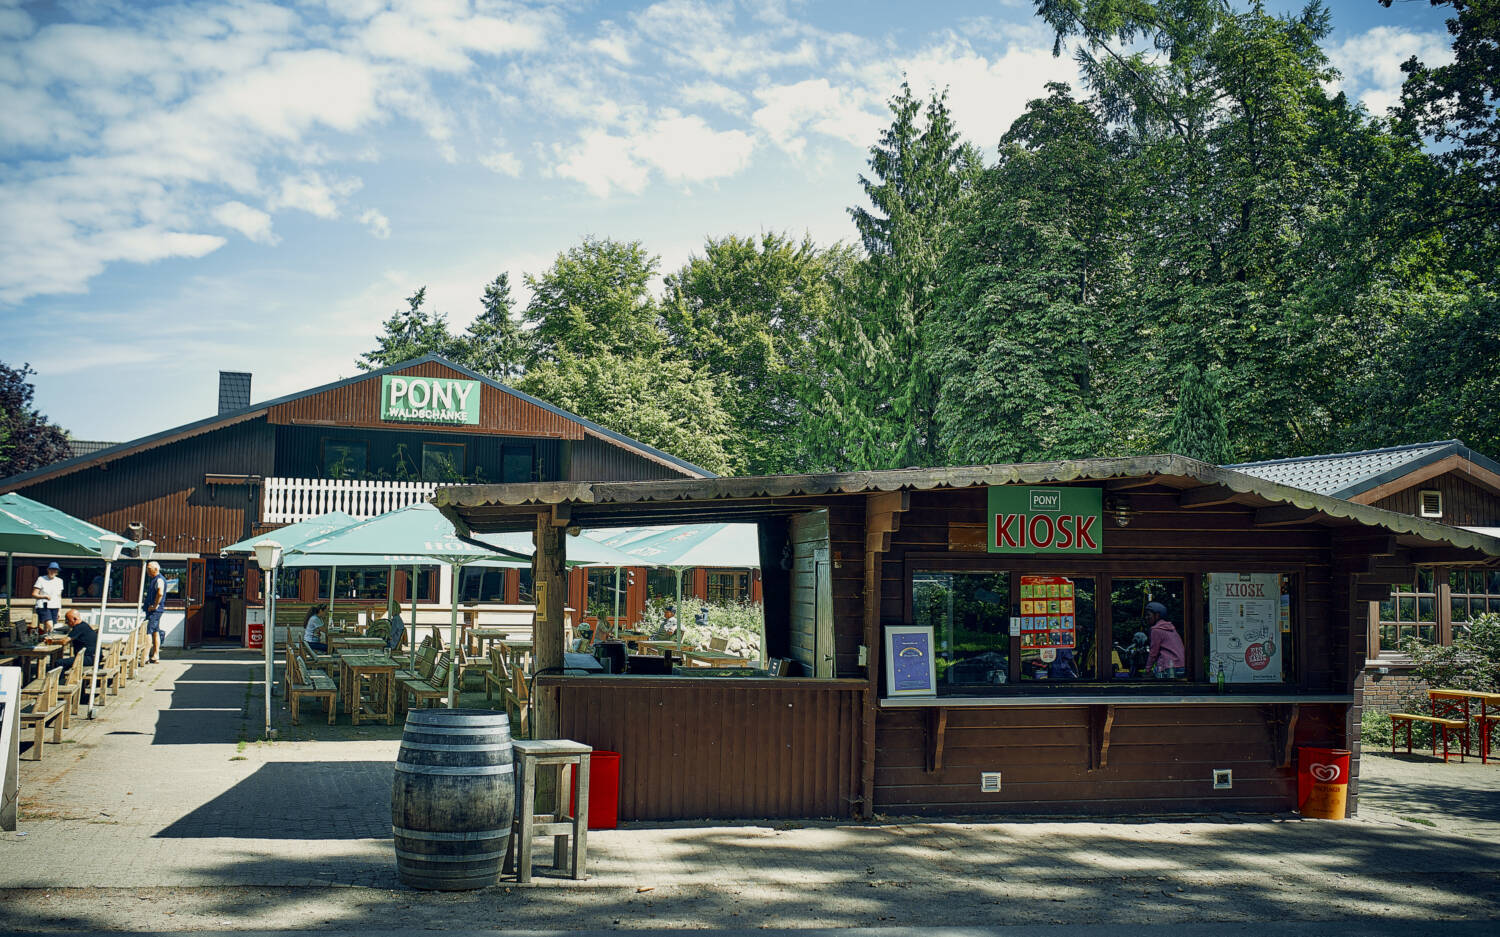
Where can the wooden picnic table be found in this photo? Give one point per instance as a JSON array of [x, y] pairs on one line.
[[518, 653], [356, 666], [1457, 702], [480, 639], [354, 643], [703, 657], [36, 659]]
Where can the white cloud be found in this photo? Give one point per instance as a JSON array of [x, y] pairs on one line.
[[503, 162], [378, 224], [1370, 62], [614, 44], [603, 163], [816, 105], [251, 222], [706, 37], [711, 92], [311, 193], [687, 149]]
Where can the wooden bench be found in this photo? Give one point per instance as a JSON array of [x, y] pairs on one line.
[[70, 687], [497, 677], [109, 674], [313, 683], [518, 703], [1438, 723], [44, 709], [433, 687]]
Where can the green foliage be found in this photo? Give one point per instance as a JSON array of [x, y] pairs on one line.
[[495, 344], [739, 623], [409, 333], [661, 401], [1471, 662], [27, 440], [1198, 429], [594, 299]]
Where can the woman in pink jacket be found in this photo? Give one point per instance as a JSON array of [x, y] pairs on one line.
[[1168, 658]]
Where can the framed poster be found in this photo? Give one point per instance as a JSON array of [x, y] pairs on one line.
[[1246, 616], [910, 669]]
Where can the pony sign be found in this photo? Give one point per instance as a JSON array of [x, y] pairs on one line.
[[1046, 520], [407, 399]]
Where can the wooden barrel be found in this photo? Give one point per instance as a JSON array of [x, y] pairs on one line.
[[453, 798]]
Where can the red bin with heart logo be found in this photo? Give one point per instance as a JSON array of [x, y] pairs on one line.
[[1322, 782]]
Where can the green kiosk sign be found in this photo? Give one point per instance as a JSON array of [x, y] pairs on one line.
[[406, 399], [1046, 520]]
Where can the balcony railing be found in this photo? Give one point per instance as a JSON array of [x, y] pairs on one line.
[[288, 500]]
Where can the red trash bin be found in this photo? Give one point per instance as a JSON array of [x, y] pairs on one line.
[[1322, 782], [604, 790]]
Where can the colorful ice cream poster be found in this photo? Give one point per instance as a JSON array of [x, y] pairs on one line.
[[1048, 612], [1245, 637]]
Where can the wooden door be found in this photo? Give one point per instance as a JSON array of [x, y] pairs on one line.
[[192, 601], [823, 615]]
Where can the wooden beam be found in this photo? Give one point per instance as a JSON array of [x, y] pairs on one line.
[[1101, 725], [883, 511], [562, 515], [1206, 497], [1283, 515], [548, 632], [1447, 556], [936, 737], [1126, 484]]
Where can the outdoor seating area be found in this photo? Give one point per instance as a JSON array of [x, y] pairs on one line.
[[1451, 716], [53, 694]]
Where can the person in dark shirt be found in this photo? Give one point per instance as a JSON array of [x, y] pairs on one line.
[[83, 636]]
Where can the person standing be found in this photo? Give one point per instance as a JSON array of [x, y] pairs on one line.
[[1168, 658], [153, 604], [48, 592]]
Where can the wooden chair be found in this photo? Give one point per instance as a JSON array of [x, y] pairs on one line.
[[497, 678], [518, 703], [142, 645], [128, 656], [70, 687], [313, 683], [109, 673], [433, 687], [473, 665], [44, 709]]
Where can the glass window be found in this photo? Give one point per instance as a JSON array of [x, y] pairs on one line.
[[175, 574], [357, 582], [1248, 627], [83, 580], [662, 583], [728, 586], [1411, 611], [970, 618], [517, 464], [602, 595], [1058, 625], [345, 459], [442, 461], [527, 593], [481, 584], [1133, 635]]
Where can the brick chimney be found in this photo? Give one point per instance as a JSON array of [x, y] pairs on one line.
[[234, 391]]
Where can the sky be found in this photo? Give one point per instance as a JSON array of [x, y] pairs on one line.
[[250, 186]]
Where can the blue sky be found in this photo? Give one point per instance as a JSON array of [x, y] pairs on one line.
[[186, 188]]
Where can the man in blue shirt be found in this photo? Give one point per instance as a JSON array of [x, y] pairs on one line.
[[153, 604]]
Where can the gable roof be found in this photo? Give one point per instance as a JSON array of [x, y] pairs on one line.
[[1348, 475], [218, 421], [487, 508]]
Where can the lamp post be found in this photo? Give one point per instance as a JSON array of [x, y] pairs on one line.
[[268, 558], [110, 548]]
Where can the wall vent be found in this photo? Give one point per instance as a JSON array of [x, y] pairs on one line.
[[989, 782], [1431, 503]]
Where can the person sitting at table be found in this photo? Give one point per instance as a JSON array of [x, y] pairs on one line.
[[82, 636], [398, 627], [312, 629]]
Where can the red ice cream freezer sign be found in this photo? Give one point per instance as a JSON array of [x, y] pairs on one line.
[[1046, 520]]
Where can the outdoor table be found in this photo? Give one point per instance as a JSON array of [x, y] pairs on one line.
[[481, 638], [1457, 701], [380, 669], [517, 653], [710, 658], [36, 659], [354, 643]]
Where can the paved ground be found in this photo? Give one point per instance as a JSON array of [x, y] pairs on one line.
[[162, 815]]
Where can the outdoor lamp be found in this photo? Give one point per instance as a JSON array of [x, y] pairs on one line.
[[268, 555], [111, 546], [144, 549], [1118, 507]]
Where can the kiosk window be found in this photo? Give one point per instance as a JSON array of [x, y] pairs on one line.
[[1133, 639], [726, 587], [970, 618], [526, 593], [1057, 626], [516, 464]]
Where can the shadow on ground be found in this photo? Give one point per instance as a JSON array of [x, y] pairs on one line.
[[333, 800]]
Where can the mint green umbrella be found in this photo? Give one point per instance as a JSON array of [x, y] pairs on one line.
[[293, 534], [32, 528], [418, 530]]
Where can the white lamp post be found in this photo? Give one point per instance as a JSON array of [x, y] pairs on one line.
[[110, 548], [268, 558]]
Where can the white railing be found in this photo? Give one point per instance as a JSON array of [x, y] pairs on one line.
[[288, 500]]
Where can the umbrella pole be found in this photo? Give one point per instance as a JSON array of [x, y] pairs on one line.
[[333, 593], [453, 640], [98, 640], [678, 612], [268, 644], [614, 628], [411, 649], [10, 588]]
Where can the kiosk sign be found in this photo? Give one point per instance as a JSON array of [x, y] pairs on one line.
[[407, 399], [1045, 520]]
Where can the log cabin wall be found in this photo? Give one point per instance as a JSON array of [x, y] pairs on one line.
[[593, 459], [1161, 757], [1465, 504]]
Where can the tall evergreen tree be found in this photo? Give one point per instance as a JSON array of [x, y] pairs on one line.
[[595, 299], [494, 344], [1198, 430], [409, 333]]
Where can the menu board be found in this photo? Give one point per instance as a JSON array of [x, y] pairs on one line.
[[1245, 617], [1048, 616]]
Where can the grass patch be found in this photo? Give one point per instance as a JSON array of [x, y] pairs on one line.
[[1419, 820]]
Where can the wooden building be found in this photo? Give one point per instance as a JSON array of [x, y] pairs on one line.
[[1444, 481], [854, 564], [371, 443]]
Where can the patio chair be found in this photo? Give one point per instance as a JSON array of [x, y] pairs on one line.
[[434, 687], [70, 687], [127, 656], [518, 703], [109, 674], [497, 678], [313, 683], [142, 645], [44, 709]]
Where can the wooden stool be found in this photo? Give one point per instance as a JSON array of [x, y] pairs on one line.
[[561, 754]]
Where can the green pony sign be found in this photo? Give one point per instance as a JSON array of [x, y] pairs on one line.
[[405, 399]]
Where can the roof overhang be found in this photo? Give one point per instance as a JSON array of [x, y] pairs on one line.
[[1461, 464], [491, 508]]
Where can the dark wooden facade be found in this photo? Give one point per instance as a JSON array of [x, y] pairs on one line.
[[1060, 747]]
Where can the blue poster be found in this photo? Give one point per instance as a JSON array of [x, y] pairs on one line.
[[911, 662]]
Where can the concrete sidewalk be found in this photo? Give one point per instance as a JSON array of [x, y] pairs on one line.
[[162, 815]]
